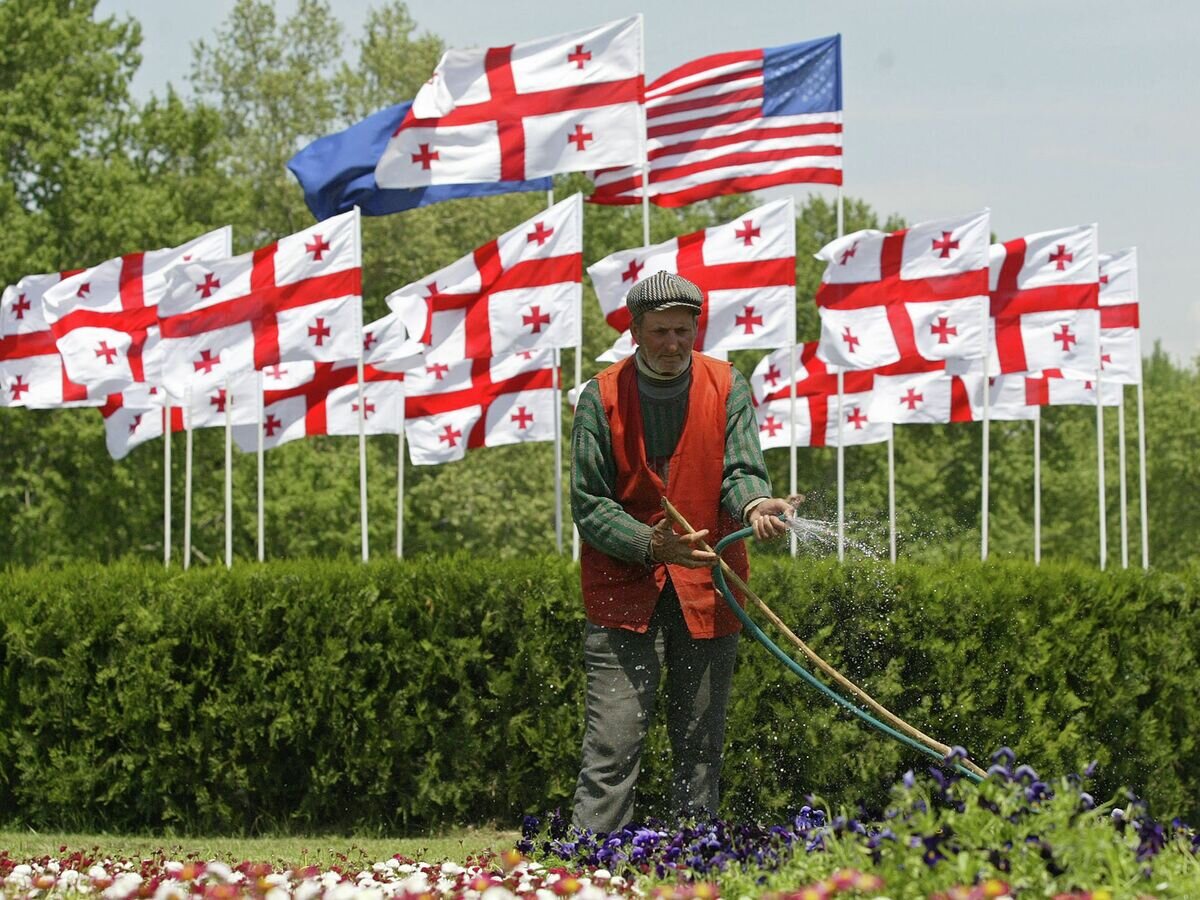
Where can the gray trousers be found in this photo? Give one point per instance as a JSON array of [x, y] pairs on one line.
[[624, 669]]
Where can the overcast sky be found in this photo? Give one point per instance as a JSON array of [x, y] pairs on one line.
[[1050, 113]]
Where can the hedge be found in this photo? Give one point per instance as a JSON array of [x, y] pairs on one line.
[[408, 696]]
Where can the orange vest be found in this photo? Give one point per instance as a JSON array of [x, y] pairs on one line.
[[622, 594]]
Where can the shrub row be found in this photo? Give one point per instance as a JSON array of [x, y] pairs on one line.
[[405, 696]]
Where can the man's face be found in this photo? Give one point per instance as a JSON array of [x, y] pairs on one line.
[[666, 337]]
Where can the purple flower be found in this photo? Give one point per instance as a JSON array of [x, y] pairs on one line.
[[909, 779], [956, 753], [1004, 757], [1026, 774], [1086, 801]]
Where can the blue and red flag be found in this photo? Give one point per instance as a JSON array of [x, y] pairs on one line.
[[737, 122], [337, 172]]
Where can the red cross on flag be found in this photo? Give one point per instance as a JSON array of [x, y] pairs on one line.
[[297, 299], [745, 268], [328, 404], [32, 373], [919, 293], [134, 417], [455, 407], [1120, 341], [239, 396], [388, 346], [567, 103], [522, 291], [105, 320], [1045, 302]]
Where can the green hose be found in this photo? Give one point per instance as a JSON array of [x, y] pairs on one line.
[[797, 669]]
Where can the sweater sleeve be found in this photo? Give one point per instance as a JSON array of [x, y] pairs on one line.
[[745, 478], [601, 520]]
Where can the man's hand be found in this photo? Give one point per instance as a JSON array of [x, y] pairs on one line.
[[764, 517], [680, 549]]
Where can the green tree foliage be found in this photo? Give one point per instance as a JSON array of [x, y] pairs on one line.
[[89, 173]]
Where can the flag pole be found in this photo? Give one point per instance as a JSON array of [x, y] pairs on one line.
[[400, 486], [1124, 496], [228, 478], [558, 443], [362, 451], [645, 136], [793, 540], [984, 474], [187, 487], [891, 444], [1141, 415], [166, 484], [841, 472], [1037, 486], [1100, 475], [262, 532]]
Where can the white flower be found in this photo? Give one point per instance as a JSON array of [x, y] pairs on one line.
[[409, 868], [123, 885], [602, 874], [497, 892], [218, 869], [97, 872], [452, 869], [417, 883], [392, 863], [307, 889], [276, 893], [543, 894], [173, 866]]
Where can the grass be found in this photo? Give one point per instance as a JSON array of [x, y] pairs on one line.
[[282, 852]]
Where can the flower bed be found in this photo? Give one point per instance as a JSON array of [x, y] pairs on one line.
[[1014, 835]]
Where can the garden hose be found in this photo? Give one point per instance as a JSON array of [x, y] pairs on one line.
[[915, 739]]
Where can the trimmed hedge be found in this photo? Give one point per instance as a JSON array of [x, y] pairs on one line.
[[404, 696]]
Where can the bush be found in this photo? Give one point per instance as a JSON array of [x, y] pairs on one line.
[[404, 696]]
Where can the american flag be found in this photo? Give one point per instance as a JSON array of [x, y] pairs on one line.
[[737, 122]]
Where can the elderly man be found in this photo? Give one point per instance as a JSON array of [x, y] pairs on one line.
[[666, 422]]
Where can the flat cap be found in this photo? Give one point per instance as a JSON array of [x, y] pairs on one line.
[[663, 290]]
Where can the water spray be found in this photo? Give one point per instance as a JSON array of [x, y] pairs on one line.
[[892, 725]]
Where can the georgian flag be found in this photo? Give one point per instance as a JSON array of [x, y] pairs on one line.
[[920, 293], [454, 407], [105, 321], [932, 398], [32, 373], [522, 291], [387, 345], [1045, 303], [241, 398], [1057, 389], [328, 404], [769, 380], [134, 417], [1120, 341], [297, 299], [567, 103], [816, 423], [746, 270]]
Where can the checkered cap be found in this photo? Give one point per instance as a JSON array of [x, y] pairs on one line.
[[663, 290]]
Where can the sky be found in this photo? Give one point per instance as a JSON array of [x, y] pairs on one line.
[[1049, 112]]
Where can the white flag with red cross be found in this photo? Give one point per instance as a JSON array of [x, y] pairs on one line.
[[770, 377], [455, 407], [1045, 303], [1056, 388], [388, 346], [239, 397], [930, 397], [1120, 338], [816, 421], [522, 291], [919, 293], [134, 417], [328, 404], [746, 270], [32, 373], [105, 319], [816, 404], [297, 299], [567, 103]]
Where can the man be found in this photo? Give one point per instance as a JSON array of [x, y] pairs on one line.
[[666, 422]]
